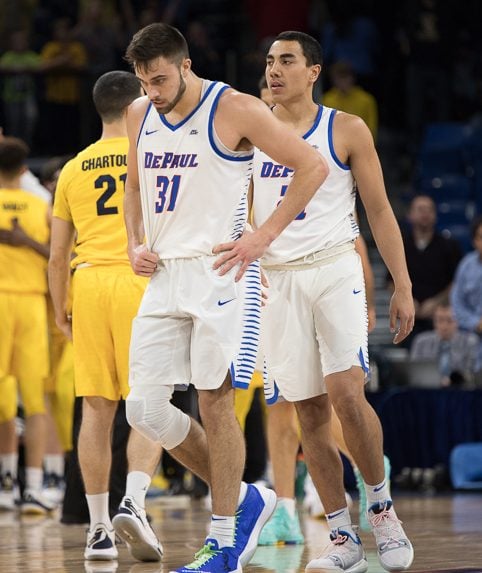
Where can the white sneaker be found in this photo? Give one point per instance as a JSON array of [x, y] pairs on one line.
[[100, 544], [34, 503], [312, 501], [131, 525], [395, 552], [54, 488], [344, 555], [9, 494]]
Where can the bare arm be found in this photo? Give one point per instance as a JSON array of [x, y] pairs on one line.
[[62, 239], [17, 237], [250, 119], [354, 136], [143, 261]]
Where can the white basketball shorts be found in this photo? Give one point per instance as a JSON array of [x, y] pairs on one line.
[[315, 322], [193, 326]]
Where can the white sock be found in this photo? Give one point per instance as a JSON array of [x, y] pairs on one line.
[[242, 492], [34, 479], [288, 503], [137, 485], [54, 464], [9, 463], [99, 509], [222, 530], [377, 493], [340, 519]]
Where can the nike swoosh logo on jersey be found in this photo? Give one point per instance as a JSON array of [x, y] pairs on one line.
[[150, 132], [223, 302], [356, 291]]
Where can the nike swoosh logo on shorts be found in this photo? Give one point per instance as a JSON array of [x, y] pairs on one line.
[[223, 302], [356, 291]]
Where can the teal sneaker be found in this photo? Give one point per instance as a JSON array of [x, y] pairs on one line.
[[362, 496], [388, 469], [282, 529]]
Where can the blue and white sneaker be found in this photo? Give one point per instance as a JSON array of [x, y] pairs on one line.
[[100, 544], [251, 516], [212, 559], [131, 525]]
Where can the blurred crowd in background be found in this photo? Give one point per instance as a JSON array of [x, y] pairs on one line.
[[412, 70], [419, 59]]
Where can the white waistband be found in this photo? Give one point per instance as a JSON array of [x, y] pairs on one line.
[[315, 259]]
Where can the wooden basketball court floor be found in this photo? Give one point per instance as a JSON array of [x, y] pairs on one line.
[[446, 532]]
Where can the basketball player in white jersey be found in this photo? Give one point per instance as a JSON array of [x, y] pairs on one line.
[[189, 165], [315, 323]]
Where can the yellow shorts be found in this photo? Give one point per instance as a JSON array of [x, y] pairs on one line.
[[57, 344], [24, 349], [105, 301], [244, 398], [8, 399], [62, 399]]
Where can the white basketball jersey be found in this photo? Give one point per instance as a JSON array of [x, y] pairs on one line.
[[328, 220], [193, 189]]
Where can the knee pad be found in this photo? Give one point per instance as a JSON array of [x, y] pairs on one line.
[[150, 412]]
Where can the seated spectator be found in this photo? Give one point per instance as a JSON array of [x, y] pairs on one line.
[[18, 66], [466, 296], [64, 60], [347, 96], [431, 260], [454, 350]]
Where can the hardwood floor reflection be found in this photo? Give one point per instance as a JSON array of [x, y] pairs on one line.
[[446, 533]]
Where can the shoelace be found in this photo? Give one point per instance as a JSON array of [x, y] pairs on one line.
[[392, 524], [203, 556], [341, 549]]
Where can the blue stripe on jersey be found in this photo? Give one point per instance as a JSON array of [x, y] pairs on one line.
[[330, 142], [211, 128], [315, 123], [271, 391], [241, 214], [188, 117], [363, 363], [242, 368], [143, 122]]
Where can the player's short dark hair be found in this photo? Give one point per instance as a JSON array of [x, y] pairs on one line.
[[113, 92], [155, 41], [310, 47], [13, 155]]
